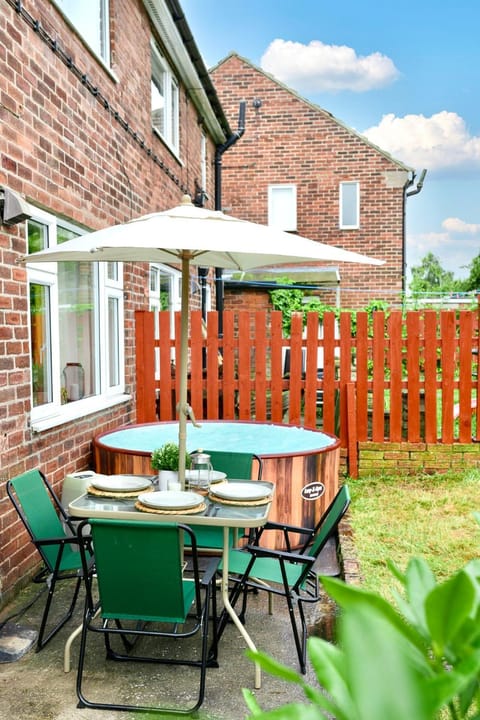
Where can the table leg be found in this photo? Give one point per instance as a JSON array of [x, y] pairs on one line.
[[68, 645], [231, 611]]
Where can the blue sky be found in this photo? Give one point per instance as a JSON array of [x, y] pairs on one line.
[[405, 75]]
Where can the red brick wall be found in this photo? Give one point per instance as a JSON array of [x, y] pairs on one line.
[[67, 151], [288, 140]]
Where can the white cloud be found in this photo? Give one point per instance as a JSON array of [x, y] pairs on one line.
[[440, 142], [457, 226], [317, 67]]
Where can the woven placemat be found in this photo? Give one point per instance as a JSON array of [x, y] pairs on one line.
[[246, 503], [114, 494], [205, 490], [180, 511]]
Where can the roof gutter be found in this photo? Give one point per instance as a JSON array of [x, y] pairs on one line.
[[169, 20]]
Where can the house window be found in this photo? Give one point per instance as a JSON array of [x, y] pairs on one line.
[[282, 206], [349, 205], [91, 20], [76, 325], [164, 90]]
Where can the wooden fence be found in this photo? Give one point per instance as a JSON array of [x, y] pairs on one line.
[[385, 378]]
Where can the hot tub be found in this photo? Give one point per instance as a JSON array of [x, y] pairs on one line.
[[303, 464]]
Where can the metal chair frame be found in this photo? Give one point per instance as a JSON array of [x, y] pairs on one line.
[[41, 512], [115, 613], [291, 572]]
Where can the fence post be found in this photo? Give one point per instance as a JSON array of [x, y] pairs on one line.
[[145, 366], [352, 435]]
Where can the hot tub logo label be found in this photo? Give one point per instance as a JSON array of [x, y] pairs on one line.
[[313, 491]]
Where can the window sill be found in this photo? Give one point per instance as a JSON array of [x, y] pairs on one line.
[[76, 410]]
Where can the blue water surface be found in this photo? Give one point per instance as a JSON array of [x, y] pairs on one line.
[[260, 438]]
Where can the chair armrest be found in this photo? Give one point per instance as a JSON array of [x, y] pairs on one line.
[[285, 529], [57, 541], [210, 571], [86, 540], [280, 554]]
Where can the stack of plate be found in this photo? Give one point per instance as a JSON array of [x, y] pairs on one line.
[[241, 493], [129, 485], [171, 500]]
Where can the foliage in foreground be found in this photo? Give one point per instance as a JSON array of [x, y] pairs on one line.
[[417, 659]]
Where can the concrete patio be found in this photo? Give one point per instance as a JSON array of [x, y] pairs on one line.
[[35, 687]]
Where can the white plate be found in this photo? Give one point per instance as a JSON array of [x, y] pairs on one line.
[[242, 491], [196, 477], [120, 483], [171, 500]]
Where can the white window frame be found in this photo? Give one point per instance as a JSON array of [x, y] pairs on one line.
[[282, 207], [170, 134], [345, 205], [84, 16], [55, 413], [175, 296]]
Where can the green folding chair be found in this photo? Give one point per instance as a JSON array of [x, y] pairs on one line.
[[288, 573], [237, 465], [144, 591], [47, 524]]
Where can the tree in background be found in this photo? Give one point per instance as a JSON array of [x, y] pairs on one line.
[[473, 280], [429, 276]]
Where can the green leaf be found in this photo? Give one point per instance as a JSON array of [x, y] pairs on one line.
[[419, 581], [349, 596], [294, 711], [251, 702], [447, 607], [275, 668], [328, 662], [384, 683]]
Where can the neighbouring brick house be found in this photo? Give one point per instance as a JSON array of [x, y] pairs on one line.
[[299, 167], [103, 118]]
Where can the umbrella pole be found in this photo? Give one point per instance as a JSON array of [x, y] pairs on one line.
[[182, 405]]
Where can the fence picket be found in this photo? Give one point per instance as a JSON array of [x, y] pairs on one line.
[[447, 326], [394, 365], [430, 372]]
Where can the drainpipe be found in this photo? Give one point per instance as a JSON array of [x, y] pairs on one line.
[[220, 149], [409, 193]]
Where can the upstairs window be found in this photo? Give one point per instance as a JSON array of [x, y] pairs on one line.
[[164, 92], [349, 205], [91, 20], [282, 207]]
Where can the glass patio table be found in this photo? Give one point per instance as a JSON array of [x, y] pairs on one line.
[[228, 516]]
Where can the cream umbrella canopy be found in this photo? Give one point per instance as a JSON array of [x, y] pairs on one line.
[[189, 235]]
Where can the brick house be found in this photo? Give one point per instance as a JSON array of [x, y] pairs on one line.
[[103, 118], [299, 167]]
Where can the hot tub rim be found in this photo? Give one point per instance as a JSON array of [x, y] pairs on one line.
[[97, 442]]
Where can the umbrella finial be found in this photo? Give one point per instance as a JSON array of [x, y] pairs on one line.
[[186, 200]]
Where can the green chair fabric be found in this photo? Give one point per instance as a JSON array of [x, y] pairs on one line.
[[46, 521], [237, 465], [145, 590], [285, 572]]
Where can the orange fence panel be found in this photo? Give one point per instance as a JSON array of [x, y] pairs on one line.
[[385, 377]]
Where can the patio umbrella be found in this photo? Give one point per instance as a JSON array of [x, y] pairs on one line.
[[190, 235]]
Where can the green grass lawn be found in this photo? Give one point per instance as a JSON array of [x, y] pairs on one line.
[[395, 518]]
